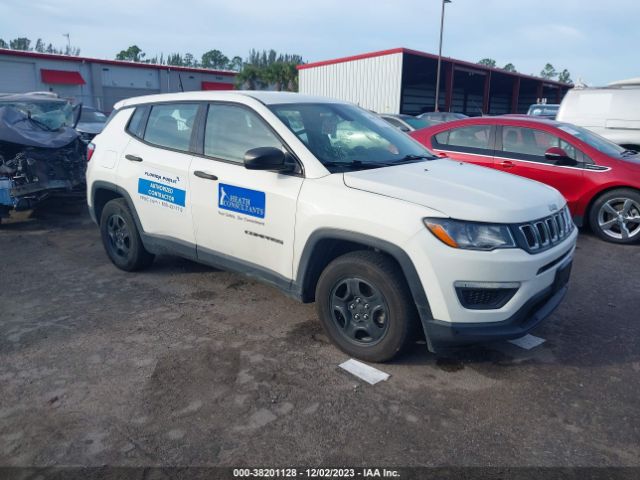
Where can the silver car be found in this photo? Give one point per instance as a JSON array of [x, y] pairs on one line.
[[407, 123], [91, 123]]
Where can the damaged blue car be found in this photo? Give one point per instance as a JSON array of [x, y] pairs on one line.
[[40, 151]]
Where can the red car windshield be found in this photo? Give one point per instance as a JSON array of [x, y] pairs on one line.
[[593, 139]]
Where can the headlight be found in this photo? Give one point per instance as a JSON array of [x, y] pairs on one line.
[[470, 235]]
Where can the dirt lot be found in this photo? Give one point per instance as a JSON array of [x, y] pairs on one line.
[[185, 365]]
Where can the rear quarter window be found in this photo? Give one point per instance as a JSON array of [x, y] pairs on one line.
[[443, 137], [135, 126]]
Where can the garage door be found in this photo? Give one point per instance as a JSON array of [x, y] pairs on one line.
[[113, 95], [17, 77]]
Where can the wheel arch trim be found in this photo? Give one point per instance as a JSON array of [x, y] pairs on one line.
[[102, 185], [308, 261]]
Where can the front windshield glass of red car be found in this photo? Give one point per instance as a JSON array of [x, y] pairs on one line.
[[593, 139], [348, 137]]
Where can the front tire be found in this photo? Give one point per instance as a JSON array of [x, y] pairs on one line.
[[365, 307], [121, 238], [615, 216]]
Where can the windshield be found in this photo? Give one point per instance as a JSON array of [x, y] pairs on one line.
[[442, 116], [347, 137], [89, 115], [48, 115], [417, 123], [593, 139], [546, 110]]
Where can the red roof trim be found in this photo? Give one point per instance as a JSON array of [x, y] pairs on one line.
[[217, 86], [380, 53], [61, 77], [408, 51], [120, 63]]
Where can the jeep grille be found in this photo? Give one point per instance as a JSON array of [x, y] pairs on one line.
[[547, 232]]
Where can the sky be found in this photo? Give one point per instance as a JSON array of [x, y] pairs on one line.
[[596, 41]]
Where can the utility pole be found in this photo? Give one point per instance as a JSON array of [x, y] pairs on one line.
[[68, 42], [440, 54]]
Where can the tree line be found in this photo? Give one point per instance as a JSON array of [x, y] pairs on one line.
[[548, 72], [24, 44], [261, 69], [213, 59]]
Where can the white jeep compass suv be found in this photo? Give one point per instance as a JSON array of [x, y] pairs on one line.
[[331, 204]]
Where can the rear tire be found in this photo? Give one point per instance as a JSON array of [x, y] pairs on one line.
[[121, 238], [365, 307], [615, 216]]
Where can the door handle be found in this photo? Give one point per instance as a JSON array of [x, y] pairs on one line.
[[205, 175], [133, 158], [507, 164]]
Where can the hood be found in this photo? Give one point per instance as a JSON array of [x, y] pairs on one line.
[[461, 190]]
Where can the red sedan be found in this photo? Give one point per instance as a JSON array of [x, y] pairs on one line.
[[599, 179]]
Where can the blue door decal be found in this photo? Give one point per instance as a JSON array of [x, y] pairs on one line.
[[162, 192], [241, 200]]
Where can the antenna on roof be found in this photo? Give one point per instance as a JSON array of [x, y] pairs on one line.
[[180, 79], [68, 35], [580, 83]]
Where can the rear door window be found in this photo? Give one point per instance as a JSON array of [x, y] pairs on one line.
[[170, 125]]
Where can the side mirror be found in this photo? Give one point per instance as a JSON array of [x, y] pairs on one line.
[[265, 158], [560, 157], [404, 129]]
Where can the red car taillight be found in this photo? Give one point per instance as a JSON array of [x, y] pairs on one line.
[[90, 149]]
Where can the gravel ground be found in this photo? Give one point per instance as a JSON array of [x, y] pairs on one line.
[[186, 365]]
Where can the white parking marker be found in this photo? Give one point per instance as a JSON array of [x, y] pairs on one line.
[[365, 372], [528, 342]]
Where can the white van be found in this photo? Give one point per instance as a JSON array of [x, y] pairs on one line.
[[612, 111]]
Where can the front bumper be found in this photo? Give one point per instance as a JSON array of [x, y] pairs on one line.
[[532, 313], [447, 322]]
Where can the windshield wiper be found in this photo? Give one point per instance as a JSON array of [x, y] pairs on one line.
[[628, 152], [371, 164], [411, 158], [358, 164]]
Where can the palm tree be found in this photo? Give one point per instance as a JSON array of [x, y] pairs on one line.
[[250, 77], [278, 76]]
